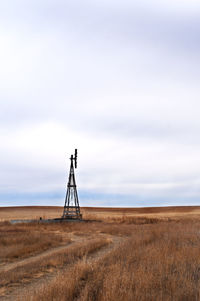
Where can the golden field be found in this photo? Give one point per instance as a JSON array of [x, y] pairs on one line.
[[118, 254], [46, 212]]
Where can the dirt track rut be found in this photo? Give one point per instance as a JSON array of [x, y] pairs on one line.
[[32, 259], [19, 292]]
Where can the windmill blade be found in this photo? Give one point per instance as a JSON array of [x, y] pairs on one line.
[[75, 158]]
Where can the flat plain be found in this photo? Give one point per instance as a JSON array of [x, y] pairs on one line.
[[118, 254]]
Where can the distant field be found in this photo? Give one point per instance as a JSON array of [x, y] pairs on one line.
[[118, 254], [35, 212]]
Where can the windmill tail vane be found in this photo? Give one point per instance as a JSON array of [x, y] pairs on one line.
[[71, 207]]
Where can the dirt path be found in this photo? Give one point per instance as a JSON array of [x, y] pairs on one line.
[[35, 258], [20, 290]]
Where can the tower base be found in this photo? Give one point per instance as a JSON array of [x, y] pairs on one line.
[[72, 212]]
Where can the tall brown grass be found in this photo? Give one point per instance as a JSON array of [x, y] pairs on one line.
[[157, 262], [19, 242], [56, 260], [23, 240]]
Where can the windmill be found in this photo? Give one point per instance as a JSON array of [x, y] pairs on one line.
[[71, 207]]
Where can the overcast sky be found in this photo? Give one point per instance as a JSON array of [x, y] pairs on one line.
[[120, 81]]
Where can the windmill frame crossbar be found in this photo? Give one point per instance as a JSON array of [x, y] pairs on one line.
[[71, 207]]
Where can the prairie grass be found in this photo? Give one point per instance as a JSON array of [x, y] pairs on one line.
[[23, 240], [109, 226], [159, 258], [19, 242], [35, 212], [57, 260], [157, 262]]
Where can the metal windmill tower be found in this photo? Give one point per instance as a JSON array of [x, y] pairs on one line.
[[71, 207]]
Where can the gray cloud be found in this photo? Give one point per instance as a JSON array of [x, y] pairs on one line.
[[120, 81]]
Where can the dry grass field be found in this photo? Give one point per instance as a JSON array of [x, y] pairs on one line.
[[35, 212], [118, 254]]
